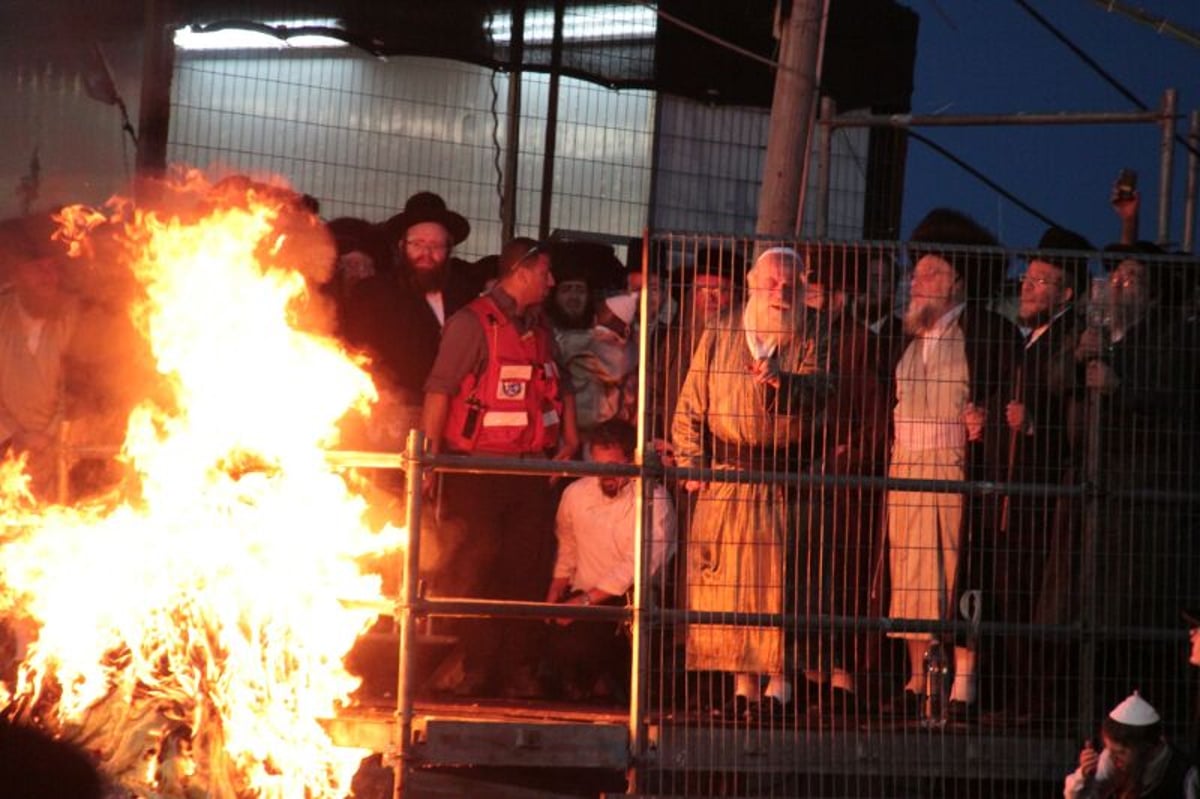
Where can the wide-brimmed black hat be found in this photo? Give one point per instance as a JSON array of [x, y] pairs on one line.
[[425, 206], [972, 250]]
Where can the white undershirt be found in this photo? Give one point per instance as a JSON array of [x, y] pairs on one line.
[[438, 305]]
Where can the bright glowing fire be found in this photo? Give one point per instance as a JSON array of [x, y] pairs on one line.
[[191, 634]]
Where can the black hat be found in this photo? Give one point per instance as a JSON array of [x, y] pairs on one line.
[[1061, 242], [716, 261], [982, 272], [425, 206], [841, 267], [351, 233]]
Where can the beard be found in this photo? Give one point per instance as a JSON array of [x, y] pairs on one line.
[[430, 279], [921, 315], [769, 323]]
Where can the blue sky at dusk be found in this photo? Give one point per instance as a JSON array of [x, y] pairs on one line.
[[992, 57]]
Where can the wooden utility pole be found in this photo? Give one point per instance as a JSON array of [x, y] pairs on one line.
[[800, 24]]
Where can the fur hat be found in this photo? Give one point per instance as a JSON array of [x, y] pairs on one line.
[[425, 206], [948, 233]]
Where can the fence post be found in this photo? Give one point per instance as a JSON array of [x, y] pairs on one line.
[[1165, 164], [409, 589]]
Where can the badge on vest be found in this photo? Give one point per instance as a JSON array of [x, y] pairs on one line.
[[513, 380]]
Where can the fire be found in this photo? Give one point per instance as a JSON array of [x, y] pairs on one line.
[[191, 635]]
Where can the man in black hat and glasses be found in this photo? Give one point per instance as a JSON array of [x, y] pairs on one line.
[[397, 316]]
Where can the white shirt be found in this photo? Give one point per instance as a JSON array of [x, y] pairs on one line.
[[438, 305], [595, 536]]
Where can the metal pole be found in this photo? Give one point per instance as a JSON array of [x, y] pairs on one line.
[[824, 165], [508, 203], [1189, 196], [551, 137], [405, 614], [991, 120], [154, 107], [792, 109], [1166, 163], [639, 634]]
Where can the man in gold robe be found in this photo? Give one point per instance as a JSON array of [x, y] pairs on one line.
[[748, 404]]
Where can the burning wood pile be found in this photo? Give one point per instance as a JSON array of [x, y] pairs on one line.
[[188, 629]]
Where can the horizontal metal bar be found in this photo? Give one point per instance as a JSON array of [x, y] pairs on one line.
[[981, 120], [497, 608]]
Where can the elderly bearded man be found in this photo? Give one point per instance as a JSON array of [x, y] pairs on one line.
[[748, 403], [957, 365]]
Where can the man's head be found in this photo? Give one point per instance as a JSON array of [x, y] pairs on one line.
[[570, 303], [425, 233], [524, 271], [711, 281], [613, 441], [837, 274], [1132, 732], [361, 250], [771, 287], [1054, 276], [1137, 280], [943, 275]]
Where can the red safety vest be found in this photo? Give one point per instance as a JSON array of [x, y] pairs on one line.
[[514, 406]]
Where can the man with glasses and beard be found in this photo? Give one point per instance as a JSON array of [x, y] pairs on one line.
[[397, 316], [1043, 447], [748, 403]]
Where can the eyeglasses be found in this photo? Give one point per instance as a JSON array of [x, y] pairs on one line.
[[1124, 281], [1040, 282], [426, 246]]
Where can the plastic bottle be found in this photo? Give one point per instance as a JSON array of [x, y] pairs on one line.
[[937, 685]]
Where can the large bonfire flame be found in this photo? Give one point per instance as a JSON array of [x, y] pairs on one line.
[[191, 634]]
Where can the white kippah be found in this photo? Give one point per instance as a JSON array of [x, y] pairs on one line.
[[786, 251], [1135, 712], [623, 306]]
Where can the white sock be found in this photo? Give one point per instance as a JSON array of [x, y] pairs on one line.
[[747, 685], [778, 689], [842, 679], [963, 689]]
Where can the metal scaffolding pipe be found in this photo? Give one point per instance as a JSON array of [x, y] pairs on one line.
[[1165, 165], [989, 120]]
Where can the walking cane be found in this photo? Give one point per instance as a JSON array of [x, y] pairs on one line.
[[1013, 438]]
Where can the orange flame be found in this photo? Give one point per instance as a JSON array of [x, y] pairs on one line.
[[192, 635]]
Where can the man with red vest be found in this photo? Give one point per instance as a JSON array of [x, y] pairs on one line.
[[495, 391]]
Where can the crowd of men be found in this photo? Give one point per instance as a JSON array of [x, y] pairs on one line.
[[879, 431]]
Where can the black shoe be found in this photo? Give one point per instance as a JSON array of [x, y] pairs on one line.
[[771, 711], [904, 705], [843, 702], [739, 708], [961, 712]]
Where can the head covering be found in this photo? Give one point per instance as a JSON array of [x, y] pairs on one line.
[[1191, 616], [839, 267], [715, 261], [623, 306], [982, 272], [352, 234], [425, 206], [1133, 723], [1135, 712], [1074, 267]]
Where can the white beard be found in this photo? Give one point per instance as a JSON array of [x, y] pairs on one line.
[[921, 315], [770, 325]]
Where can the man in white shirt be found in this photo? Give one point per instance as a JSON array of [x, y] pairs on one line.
[[595, 563]]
